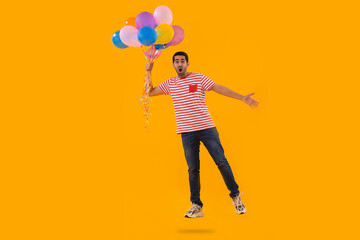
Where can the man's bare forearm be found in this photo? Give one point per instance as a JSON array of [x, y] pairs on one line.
[[227, 92], [148, 68], [150, 85]]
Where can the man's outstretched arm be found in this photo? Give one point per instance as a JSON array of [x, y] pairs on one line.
[[230, 93], [153, 91]]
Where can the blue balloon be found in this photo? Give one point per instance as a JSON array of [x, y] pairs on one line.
[[160, 46], [146, 36], [117, 41]]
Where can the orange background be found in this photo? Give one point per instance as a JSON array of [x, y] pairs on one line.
[[77, 163]]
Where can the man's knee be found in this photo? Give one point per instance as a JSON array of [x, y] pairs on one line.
[[222, 163]]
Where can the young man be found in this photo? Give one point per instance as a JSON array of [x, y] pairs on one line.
[[195, 124]]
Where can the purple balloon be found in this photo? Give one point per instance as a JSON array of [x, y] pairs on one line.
[[145, 19], [178, 36]]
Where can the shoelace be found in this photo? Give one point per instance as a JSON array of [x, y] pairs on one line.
[[194, 208], [238, 200]]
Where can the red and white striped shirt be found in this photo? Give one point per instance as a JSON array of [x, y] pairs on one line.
[[188, 95]]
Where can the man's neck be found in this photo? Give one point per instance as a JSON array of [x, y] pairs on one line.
[[185, 75]]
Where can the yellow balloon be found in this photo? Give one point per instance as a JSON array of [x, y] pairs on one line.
[[165, 33]]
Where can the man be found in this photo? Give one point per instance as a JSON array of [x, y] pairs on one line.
[[195, 124]]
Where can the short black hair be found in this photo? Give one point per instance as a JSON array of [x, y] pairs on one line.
[[181, 54]]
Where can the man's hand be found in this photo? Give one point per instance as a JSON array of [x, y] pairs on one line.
[[149, 66], [230, 93], [248, 100]]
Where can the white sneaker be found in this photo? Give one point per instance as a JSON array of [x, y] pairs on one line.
[[194, 212], [239, 206]]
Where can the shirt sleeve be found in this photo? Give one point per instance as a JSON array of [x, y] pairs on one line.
[[164, 87], [206, 83]]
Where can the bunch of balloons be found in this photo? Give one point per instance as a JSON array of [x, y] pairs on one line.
[[152, 33], [149, 29]]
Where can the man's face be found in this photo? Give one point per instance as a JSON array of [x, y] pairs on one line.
[[180, 65]]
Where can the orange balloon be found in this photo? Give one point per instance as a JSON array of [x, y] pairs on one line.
[[131, 21]]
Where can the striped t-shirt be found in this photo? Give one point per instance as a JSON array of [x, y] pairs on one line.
[[188, 95]]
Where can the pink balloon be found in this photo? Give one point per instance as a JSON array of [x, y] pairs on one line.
[[128, 35], [178, 36], [162, 15]]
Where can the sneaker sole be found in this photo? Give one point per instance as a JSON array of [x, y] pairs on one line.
[[242, 212], [194, 216]]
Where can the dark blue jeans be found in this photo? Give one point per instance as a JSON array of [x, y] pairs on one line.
[[210, 138]]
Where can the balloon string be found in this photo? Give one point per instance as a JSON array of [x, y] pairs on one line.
[[145, 99], [150, 53]]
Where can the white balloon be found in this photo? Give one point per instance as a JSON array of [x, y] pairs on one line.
[[128, 36], [163, 14]]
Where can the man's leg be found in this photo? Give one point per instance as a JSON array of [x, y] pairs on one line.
[[191, 144], [211, 140]]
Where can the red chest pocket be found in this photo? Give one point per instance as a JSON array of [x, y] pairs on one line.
[[193, 87]]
